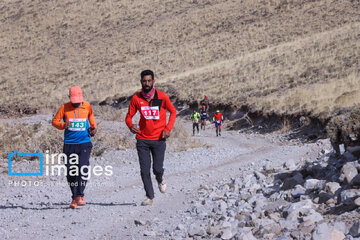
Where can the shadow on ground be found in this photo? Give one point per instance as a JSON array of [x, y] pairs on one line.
[[64, 206]]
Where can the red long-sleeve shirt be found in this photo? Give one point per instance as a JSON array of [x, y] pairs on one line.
[[152, 115], [218, 116]]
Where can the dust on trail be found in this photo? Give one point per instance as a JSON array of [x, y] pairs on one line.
[[113, 202]]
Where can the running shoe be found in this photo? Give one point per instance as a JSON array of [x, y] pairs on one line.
[[73, 204], [147, 202], [80, 201], [162, 186]]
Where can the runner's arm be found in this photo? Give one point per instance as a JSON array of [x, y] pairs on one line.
[[170, 107], [56, 122], [131, 112], [91, 117]]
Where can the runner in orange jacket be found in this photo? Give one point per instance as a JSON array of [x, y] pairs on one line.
[[77, 119]]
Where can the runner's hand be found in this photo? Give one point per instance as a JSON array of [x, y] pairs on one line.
[[165, 134], [67, 125], [134, 128], [93, 131]]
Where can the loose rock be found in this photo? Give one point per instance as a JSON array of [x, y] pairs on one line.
[[332, 187]]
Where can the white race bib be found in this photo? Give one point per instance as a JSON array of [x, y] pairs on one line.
[[77, 124], [150, 112]]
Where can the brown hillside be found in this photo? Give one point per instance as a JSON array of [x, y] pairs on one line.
[[279, 55]]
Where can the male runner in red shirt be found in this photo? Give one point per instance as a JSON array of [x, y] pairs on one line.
[[152, 131], [218, 118]]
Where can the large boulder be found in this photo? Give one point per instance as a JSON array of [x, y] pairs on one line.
[[291, 182], [293, 211], [348, 196], [356, 180], [196, 230], [332, 187], [312, 218], [325, 232], [348, 172], [322, 232], [355, 229], [314, 184]]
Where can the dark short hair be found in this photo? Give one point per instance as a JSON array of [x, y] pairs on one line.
[[147, 72]]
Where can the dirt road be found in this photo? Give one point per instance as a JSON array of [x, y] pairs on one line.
[[38, 208]]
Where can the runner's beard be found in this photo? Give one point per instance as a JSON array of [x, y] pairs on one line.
[[146, 89]]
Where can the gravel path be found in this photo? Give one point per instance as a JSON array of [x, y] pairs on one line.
[[113, 202]]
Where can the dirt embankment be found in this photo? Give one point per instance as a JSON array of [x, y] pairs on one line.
[[240, 116], [17, 110], [342, 126]]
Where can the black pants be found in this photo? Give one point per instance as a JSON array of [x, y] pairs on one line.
[[77, 183], [157, 150], [197, 127]]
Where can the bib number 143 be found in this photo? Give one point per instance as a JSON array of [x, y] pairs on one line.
[[78, 124]]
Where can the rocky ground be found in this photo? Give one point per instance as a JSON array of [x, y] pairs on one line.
[[246, 186], [313, 199]]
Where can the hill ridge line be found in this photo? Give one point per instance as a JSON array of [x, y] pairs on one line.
[[232, 61]]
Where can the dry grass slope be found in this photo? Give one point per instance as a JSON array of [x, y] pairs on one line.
[[42, 137], [316, 74], [279, 55]]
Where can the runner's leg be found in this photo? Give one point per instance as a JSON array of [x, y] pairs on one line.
[[158, 154], [84, 163], [143, 150], [68, 149]]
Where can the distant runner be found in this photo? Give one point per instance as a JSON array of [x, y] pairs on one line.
[[152, 132], [204, 115], [195, 116], [218, 118], [205, 102], [79, 124]]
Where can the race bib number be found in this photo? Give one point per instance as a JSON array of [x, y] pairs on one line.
[[78, 124], [150, 112]]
